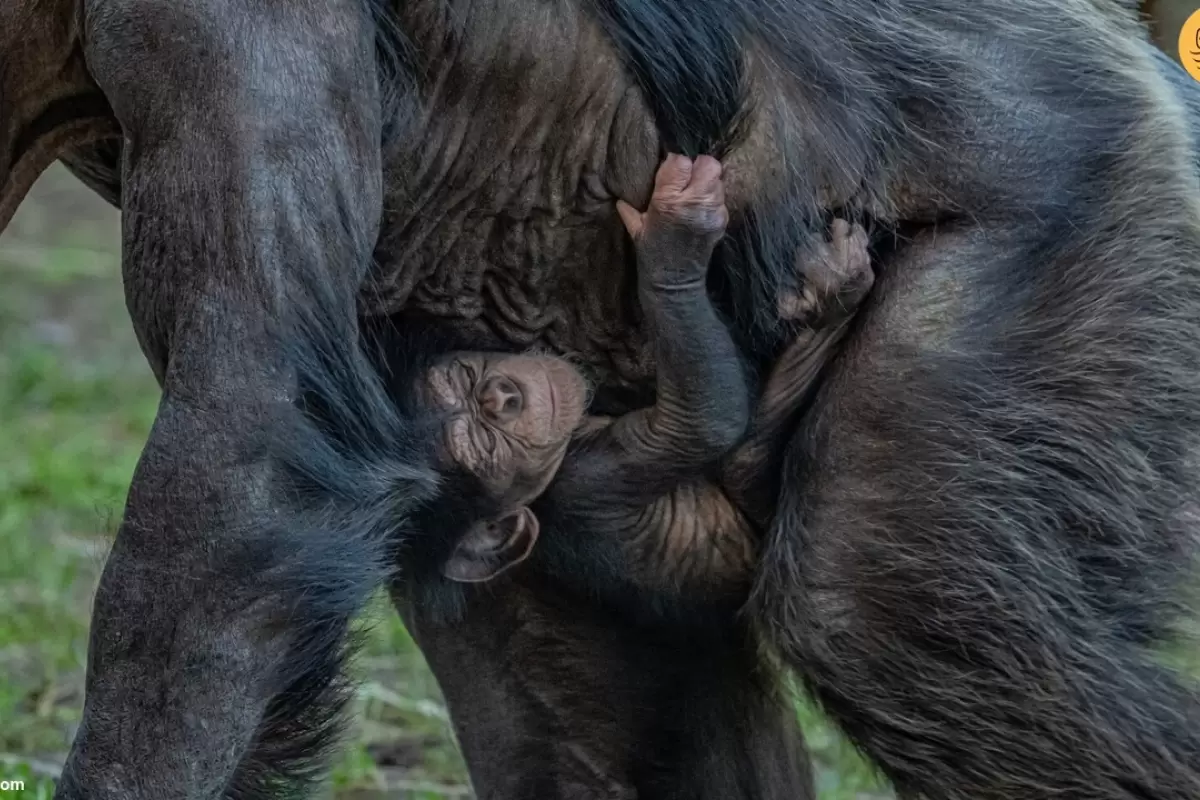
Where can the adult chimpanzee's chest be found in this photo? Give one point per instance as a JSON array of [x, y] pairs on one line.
[[499, 211], [521, 275]]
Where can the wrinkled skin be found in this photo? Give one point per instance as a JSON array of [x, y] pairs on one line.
[[991, 499], [506, 422], [508, 418]]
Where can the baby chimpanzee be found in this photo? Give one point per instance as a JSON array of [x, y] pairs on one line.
[[658, 500]]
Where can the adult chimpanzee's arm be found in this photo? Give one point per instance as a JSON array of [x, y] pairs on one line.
[[251, 156]]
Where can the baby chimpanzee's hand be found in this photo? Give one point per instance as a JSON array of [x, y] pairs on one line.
[[675, 237]]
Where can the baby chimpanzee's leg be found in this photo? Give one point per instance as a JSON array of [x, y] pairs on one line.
[[834, 284]]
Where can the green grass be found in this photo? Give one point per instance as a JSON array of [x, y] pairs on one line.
[[76, 403]]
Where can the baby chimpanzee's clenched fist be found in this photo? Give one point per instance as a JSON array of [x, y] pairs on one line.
[[676, 235]]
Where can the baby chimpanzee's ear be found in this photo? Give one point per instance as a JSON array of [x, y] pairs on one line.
[[492, 546]]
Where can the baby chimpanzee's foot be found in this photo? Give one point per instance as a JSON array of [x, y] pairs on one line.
[[833, 282]]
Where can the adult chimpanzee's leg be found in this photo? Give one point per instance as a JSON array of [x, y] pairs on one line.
[[251, 156], [49, 104], [554, 697], [989, 518], [544, 704]]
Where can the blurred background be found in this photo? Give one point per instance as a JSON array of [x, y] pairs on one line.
[[76, 403], [1166, 18]]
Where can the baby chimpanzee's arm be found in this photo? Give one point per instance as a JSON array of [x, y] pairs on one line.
[[635, 505], [702, 403]]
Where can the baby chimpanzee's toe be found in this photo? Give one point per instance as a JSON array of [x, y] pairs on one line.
[[797, 301], [847, 249]]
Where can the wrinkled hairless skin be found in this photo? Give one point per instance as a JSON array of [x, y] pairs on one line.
[[986, 512]]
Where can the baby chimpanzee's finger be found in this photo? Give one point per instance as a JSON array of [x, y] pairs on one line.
[[706, 177], [634, 220], [860, 242], [674, 174]]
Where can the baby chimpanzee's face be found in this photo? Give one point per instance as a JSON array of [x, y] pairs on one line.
[[510, 417]]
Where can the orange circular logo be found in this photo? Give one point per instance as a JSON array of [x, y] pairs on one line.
[[1189, 45]]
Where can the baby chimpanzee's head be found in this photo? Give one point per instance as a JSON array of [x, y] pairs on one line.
[[508, 422]]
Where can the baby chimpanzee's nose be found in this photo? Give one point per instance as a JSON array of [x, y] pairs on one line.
[[500, 399]]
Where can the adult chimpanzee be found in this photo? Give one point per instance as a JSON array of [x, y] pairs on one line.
[[988, 508]]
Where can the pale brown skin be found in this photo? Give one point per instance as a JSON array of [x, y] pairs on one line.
[[509, 421], [511, 417]]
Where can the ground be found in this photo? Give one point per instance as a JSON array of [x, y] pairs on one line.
[[76, 403]]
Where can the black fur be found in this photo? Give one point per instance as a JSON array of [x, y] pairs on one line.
[[396, 70], [555, 696], [1186, 89], [875, 78], [689, 68], [349, 462]]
